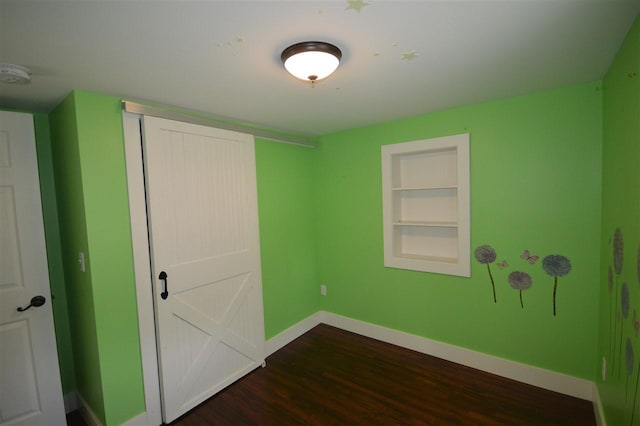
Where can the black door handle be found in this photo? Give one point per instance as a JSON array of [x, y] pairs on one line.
[[35, 301], [165, 293]]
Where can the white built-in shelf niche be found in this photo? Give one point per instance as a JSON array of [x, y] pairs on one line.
[[425, 194]]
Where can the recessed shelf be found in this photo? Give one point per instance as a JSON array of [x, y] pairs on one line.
[[426, 188], [451, 260], [426, 205], [428, 224]]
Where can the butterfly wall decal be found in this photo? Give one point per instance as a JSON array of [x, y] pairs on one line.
[[529, 257], [503, 264]]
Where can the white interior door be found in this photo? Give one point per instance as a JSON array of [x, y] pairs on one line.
[[30, 390], [205, 255]]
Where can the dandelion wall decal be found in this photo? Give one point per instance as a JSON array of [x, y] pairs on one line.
[[624, 300], [486, 254], [556, 266], [520, 281], [618, 250], [636, 323]]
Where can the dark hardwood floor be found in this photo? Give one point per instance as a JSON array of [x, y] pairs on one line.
[[75, 419], [333, 377]]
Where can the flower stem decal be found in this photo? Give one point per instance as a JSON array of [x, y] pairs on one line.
[[486, 254], [624, 306], [556, 266], [618, 252], [611, 308], [629, 364], [520, 281]]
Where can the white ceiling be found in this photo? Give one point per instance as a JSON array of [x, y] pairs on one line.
[[222, 58]]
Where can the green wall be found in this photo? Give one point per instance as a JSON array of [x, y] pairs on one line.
[[110, 254], [69, 194], [620, 250], [287, 233], [535, 185]]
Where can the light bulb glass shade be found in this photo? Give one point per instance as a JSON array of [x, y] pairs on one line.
[[14, 74], [311, 60]]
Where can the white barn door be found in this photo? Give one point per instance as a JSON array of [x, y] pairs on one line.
[[205, 255], [30, 391]]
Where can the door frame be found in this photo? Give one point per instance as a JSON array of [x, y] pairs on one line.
[[142, 266]]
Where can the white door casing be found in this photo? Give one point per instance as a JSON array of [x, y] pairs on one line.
[[152, 415], [203, 222], [30, 389]]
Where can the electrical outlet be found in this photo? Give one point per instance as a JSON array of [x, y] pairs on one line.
[[323, 290], [604, 369]]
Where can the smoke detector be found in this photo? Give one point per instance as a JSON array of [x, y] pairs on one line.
[[14, 74]]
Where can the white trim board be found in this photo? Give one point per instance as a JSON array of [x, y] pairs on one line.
[[87, 414], [70, 402], [92, 420], [142, 268], [287, 336], [598, 408], [546, 379]]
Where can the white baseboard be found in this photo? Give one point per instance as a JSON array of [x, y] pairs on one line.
[[598, 408], [287, 336], [92, 420], [546, 379], [139, 420], [85, 411]]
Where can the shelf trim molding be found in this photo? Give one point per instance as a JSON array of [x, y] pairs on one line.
[[426, 205]]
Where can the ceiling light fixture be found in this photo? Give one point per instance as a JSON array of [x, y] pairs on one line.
[[311, 60], [14, 74]]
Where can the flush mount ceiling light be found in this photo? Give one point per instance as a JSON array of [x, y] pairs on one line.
[[14, 74], [311, 60]]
